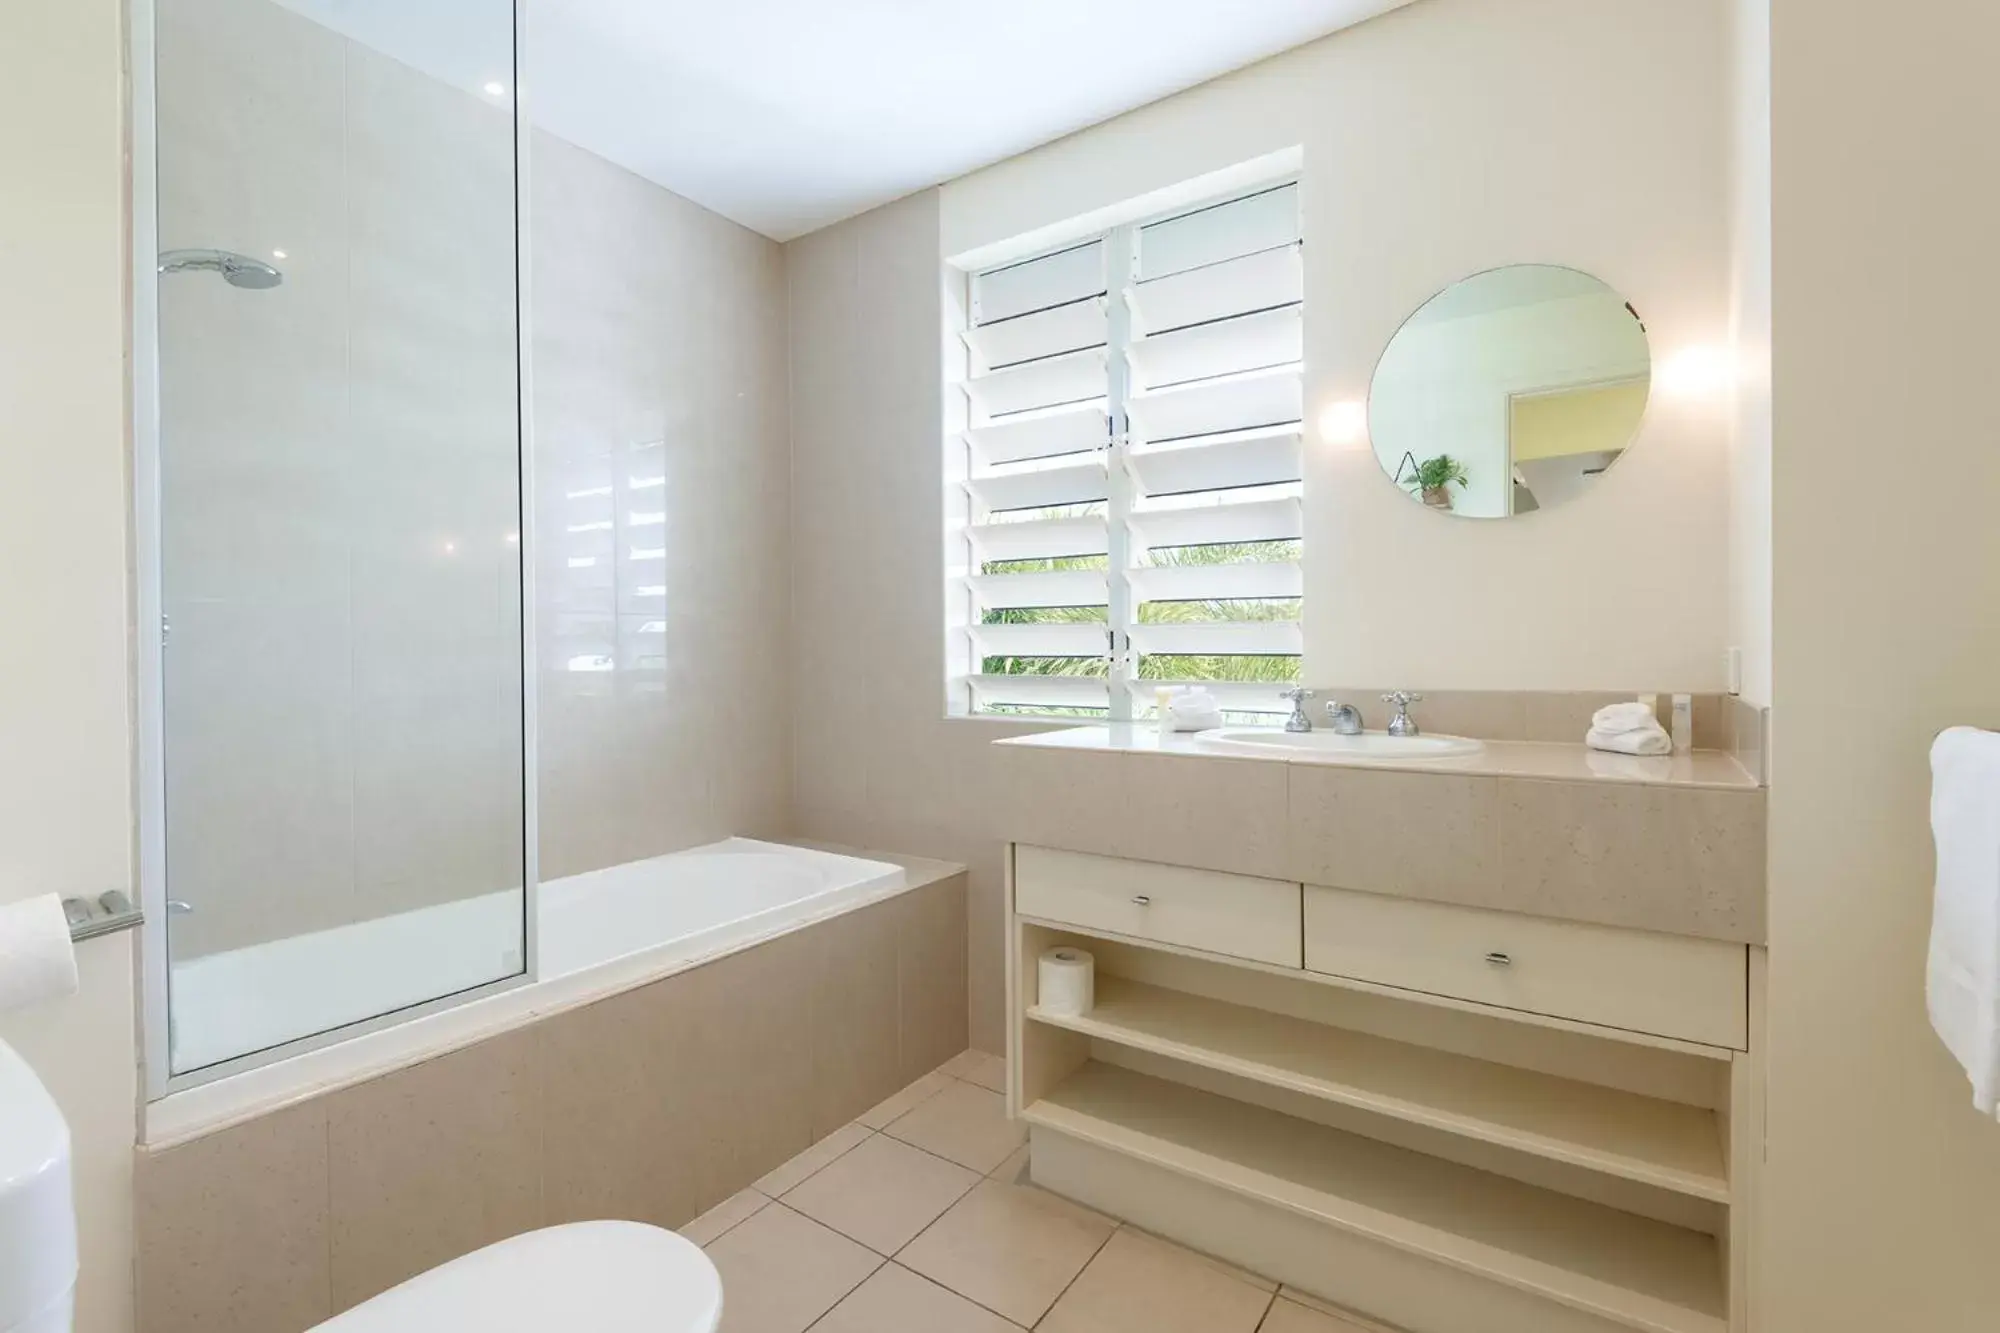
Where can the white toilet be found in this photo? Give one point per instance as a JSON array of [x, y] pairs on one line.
[[37, 1207], [586, 1277]]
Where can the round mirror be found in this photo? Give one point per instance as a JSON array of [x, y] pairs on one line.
[[1510, 391]]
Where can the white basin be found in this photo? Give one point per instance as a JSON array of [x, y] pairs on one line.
[[1330, 747]]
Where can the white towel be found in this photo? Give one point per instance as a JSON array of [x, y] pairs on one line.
[[1964, 971], [1639, 740], [1194, 709], [1629, 716]]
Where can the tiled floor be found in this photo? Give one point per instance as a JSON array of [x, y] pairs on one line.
[[917, 1218]]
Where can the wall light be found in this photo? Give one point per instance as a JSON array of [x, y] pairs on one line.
[[1344, 422], [279, 254], [1696, 372], [495, 88]]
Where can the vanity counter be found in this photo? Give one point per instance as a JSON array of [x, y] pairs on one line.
[[1673, 845], [1547, 760]]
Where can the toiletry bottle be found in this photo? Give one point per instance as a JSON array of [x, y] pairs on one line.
[[1683, 723], [1163, 711]]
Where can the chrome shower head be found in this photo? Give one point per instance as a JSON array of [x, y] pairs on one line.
[[236, 270]]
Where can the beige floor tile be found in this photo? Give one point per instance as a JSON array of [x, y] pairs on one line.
[[735, 1209], [987, 1070], [882, 1193], [821, 1154], [1241, 1274], [781, 1271], [896, 1300], [1290, 1317], [1139, 1282], [1344, 1321], [1014, 1170], [965, 1123], [1011, 1248], [925, 1088]]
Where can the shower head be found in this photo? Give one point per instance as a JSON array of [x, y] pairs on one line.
[[236, 270]]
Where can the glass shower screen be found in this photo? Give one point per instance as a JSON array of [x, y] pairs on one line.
[[340, 497]]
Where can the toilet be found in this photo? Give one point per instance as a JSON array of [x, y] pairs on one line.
[[585, 1277], [37, 1207]]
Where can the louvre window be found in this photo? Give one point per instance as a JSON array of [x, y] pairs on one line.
[[1125, 507]]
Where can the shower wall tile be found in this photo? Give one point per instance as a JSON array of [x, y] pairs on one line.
[[930, 976], [856, 1060], [663, 482], [433, 1161], [343, 556], [622, 1110], [232, 1229], [253, 403]]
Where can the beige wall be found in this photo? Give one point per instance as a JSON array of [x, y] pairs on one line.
[[1610, 156], [65, 808], [1440, 140], [659, 353], [1884, 1185]]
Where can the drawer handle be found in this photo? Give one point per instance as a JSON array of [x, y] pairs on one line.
[[1498, 959], [1141, 900]]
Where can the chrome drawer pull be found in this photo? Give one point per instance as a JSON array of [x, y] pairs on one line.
[[1141, 900], [1498, 959]]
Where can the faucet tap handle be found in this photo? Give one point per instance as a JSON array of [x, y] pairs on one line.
[[1297, 696], [1402, 724]]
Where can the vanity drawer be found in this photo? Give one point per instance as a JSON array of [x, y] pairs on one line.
[[1697, 990], [1238, 915]]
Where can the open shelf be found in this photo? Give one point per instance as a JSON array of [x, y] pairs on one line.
[[1631, 1270], [1655, 1142]]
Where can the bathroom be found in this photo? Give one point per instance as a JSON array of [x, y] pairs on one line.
[[526, 474]]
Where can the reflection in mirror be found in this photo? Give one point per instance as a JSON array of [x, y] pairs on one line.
[[1510, 391]]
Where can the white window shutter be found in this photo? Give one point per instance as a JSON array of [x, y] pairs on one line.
[[1195, 345]]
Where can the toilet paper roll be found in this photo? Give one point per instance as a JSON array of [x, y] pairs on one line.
[[1067, 982], [37, 961]]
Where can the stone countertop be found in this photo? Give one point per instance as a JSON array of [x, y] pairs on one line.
[[1547, 760]]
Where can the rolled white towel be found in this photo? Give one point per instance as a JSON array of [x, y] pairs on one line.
[[1629, 716], [1640, 740]]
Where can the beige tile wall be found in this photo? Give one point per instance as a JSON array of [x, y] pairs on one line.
[[654, 1105], [341, 483]]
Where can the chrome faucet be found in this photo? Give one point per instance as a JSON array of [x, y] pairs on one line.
[[1345, 719], [1402, 724], [1298, 721]]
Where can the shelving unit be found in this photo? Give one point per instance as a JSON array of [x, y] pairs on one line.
[[1639, 1272], [1444, 1165], [1645, 1139]]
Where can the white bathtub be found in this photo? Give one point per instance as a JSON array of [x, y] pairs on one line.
[[597, 933]]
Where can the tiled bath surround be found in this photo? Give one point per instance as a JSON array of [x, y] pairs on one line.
[[655, 1104]]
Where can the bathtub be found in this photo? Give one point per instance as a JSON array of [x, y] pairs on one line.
[[597, 933]]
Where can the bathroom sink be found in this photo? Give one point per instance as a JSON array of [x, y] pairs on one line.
[[1331, 747]]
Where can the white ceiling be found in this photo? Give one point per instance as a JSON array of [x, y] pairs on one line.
[[786, 115]]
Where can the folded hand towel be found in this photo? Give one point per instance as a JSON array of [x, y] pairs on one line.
[[1629, 716], [1195, 710], [1963, 982], [1639, 740]]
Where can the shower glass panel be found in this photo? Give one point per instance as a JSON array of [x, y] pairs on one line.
[[339, 513]]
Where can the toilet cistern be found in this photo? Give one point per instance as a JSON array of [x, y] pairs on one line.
[[37, 1208]]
